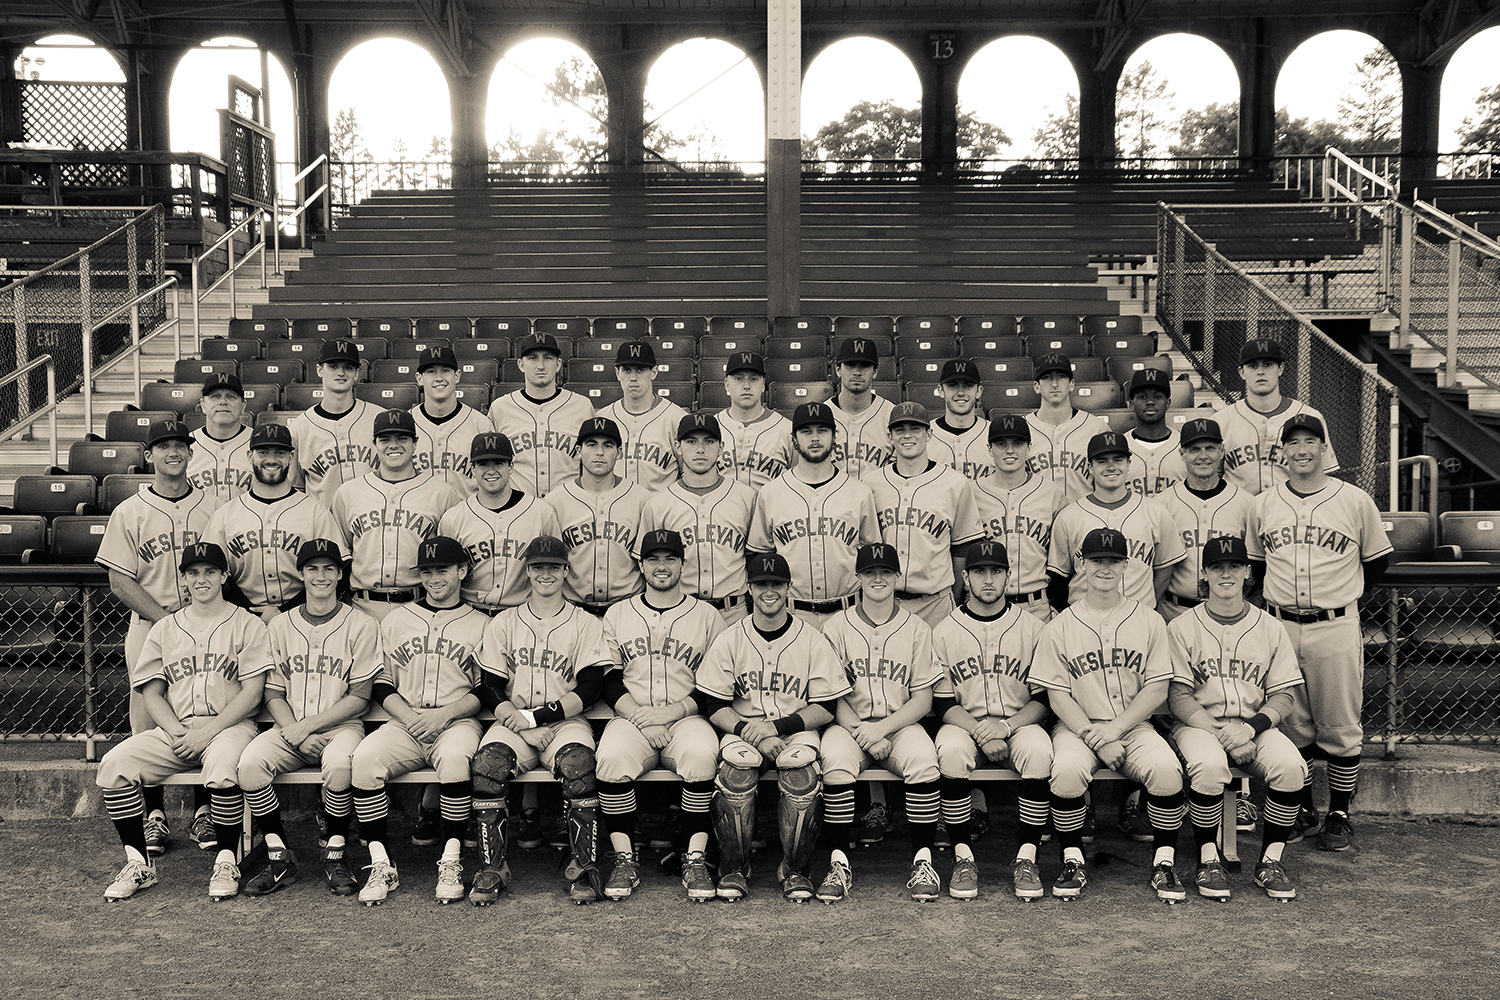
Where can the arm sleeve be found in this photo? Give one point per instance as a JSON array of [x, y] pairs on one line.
[[711, 705], [940, 706], [589, 683], [380, 691], [491, 690], [613, 688]]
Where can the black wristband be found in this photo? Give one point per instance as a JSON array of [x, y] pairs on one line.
[[739, 727], [1259, 722], [793, 723], [549, 713]]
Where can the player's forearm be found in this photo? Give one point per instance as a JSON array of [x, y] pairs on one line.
[[845, 716], [463, 708], [960, 717], [280, 711], [399, 709], [1070, 712], [909, 714], [686, 708], [815, 717], [1147, 700], [154, 698], [1187, 710], [1160, 577], [242, 706], [726, 719], [1033, 713], [626, 706], [346, 709], [134, 597], [1276, 707]]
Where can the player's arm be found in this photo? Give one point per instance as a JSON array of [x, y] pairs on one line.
[[1145, 703], [587, 686], [135, 597], [201, 730], [354, 703], [918, 704], [154, 696], [1187, 710], [1160, 577], [645, 716], [958, 574], [1069, 712]]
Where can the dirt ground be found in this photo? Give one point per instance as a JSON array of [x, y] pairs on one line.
[[1412, 913]]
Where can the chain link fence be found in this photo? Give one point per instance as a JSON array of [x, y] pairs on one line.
[[1447, 279]]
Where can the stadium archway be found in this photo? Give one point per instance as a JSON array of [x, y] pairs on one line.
[[1025, 87]]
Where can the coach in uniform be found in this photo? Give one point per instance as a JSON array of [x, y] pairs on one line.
[[220, 465]]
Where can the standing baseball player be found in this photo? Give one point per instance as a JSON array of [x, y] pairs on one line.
[[327, 656], [543, 664], [1203, 506], [1106, 665], [220, 465], [200, 673], [658, 639], [816, 516], [927, 511], [888, 659], [1253, 457], [600, 519], [263, 531], [428, 685], [712, 516], [861, 445], [768, 684], [446, 427], [759, 443], [335, 439], [1016, 508], [1233, 674], [1060, 434], [984, 651], [494, 526], [1155, 459], [1324, 546], [960, 437], [647, 421], [385, 515], [541, 418]]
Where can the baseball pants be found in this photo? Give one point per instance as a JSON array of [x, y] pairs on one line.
[[375, 609], [1038, 607], [931, 609], [269, 754], [1149, 761], [1277, 762], [912, 756], [1326, 708], [392, 751], [539, 746], [624, 754], [801, 750], [1030, 752], [147, 759], [135, 642]]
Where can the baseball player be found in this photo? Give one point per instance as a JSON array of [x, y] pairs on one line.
[[648, 422], [657, 640], [428, 684], [888, 660], [600, 517], [711, 514], [200, 674], [861, 445], [540, 419], [327, 656], [759, 443], [1203, 506], [1059, 433], [335, 439], [816, 516], [768, 684], [1106, 666], [1233, 674], [928, 512], [220, 465], [445, 426], [262, 531], [386, 514], [543, 665], [1155, 458], [1155, 545], [142, 548], [984, 651], [1323, 545], [1253, 458], [1016, 508], [960, 437], [495, 525]]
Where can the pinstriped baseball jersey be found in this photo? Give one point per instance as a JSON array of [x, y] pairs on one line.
[[1155, 465], [647, 456], [714, 525], [658, 652], [924, 518], [861, 441], [145, 538], [884, 664], [1102, 661], [986, 664], [967, 451], [221, 468], [541, 657], [430, 654], [494, 540], [443, 446], [817, 530], [1061, 453], [1232, 669], [1315, 546], [1152, 540], [772, 679], [204, 665], [316, 665], [261, 539], [332, 451], [1021, 520], [544, 436], [600, 531], [384, 522], [757, 452], [1252, 444], [1197, 520]]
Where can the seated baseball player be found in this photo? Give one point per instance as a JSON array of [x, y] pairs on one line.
[[984, 651], [887, 656], [1233, 674], [769, 683], [327, 657], [428, 685], [200, 674], [543, 665], [1105, 664], [446, 425], [1016, 508], [657, 639]]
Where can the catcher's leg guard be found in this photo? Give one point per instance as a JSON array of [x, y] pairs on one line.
[[801, 790], [493, 767], [574, 769], [734, 815]]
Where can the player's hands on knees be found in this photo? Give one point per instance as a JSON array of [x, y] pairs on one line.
[[1236, 734], [297, 733], [867, 735], [1100, 734], [644, 718], [191, 744], [880, 749], [758, 731], [770, 748], [510, 717], [657, 736], [998, 751], [1112, 754], [315, 744], [429, 724], [1243, 754], [987, 730]]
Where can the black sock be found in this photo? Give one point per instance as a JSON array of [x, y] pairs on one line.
[[1343, 779], [156, 798], [1164, 813], [132, 831]]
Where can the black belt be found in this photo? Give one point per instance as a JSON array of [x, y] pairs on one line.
[[1306, 617], [1035, 595], [486, 609], [597, 610], [722, 603], [388, 596], [907, 595], [1181, 602], [824, 607]]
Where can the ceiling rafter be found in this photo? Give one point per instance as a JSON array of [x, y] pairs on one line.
[[1121, 16], [450, 23]]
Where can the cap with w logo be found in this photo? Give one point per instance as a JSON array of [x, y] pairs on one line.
[[1103, 542], [440, 550], [636, 352], [770, 568], [661, 540], [318, 548], [597, 427], [858, 349], [203, 552], [695, 423], [745, 361]]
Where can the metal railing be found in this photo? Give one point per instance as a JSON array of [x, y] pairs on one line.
[[258, 246], [320, 196], [1350, 180], [49, 411], [137, 344]]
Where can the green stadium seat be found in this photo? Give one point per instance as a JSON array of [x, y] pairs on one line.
[[489, 349], [787, 396], [808, 369], [321, 329], [120, 487], [477, 395], [264, 330], [76, 539], [50, 496], [715, 345], [260, 397], [187, 370], [987, 326], [1005, 370], [622, 327], [802, 326], [796, 347], [1011, 396], [1045, 326], [883, 327], [1074, 345], [180, 398], [389, 395], [307, 351], [410, 350], [279, 372], [1123, 346], [134, 425], [997, 346], [394, 370], [1475, 532], [570, 327], [668, 327], [739, 326], [105, 458], [1111, 326], [20, 535], [479, 372], [1122, 369], [501, 327], [1086, 369]]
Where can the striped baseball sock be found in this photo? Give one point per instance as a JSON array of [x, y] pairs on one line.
[[337, 807], [838, 816], [618, 803], [1067, 820], [228, 806], [1206, 811], [697, 797], [127, 809], [1343, 779], [1031, 821], [1279, 814], [373, 807], [922, 813], [1164, 813], [266, 809], [455, 801], [957, 808]]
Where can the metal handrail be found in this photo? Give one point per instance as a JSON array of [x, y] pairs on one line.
[[322, 158], [1457, 228], [55, 265], [276, 218], [1430, 464], [50, 411], [226, 240], [1331, 156], [134, 351]]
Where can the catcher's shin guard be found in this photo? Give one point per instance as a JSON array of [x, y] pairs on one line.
[[734, 815], [493, 821], [799, 816], [574, 769], [491, 769]]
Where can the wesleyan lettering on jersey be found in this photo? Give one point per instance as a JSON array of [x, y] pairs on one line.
[[787, 531], [497, 548], [241, 544], [649, 452], [165, 544], [769, 466], [533, 440], [1033, 528], [322, 664], [1193, 539], [999, 665], [639, 647], [865, 453], [1231, 669], [602, 531], [1068, 460], [445, 461], [325, 461], [550, 660], [1309, 534], [881, 669], [190, 666], [1095, 660], [772, 681], [714, 534], [210, 480], [912, 517], [409, 520], [408, 649]]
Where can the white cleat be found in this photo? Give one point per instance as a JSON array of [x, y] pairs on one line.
[[450, 882], [224, 883], [135, 876], [381, 883]]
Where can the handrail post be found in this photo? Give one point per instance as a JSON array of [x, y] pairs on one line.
[[195, 306], [52, 404], [135, 343], [1327, 170], [262, 249], [229, 274], [90, 721], [1408, 231], [86, 326], [1455, 267]]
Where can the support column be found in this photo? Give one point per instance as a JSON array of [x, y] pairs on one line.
[[466, 101], [1420, 88], [939, 115], [1096, 117], [1258, 67], [311, 76], [10, 95], [783, 157], [625, 86]]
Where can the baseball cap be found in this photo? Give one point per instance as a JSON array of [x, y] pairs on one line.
[[339, 350], [440, 550], [223, 380], [769, 567], [1106, 542], [537, 342], [1150, 378], [168, 430], [877, 555], [492, 446], [663, 539], [203, 552], [603, 427], [959, 370], [271, 436], [812, 415], [394, 422], [1049, 363], [692, 423], [908, 413], [986, 554], [1303, 422], [745, 361], [438, 357], [1260, 350], [317, 548], [1201, 429], [635, 352], [1225, 548], [1108, 443], [545, 548], [859, 349], [1010, 425]]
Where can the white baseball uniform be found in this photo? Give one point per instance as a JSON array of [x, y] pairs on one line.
[[385, 522], [968, 451], [1155, 465], [1021, 520], [647, 456], [1197, 520], [1061, 453], [600, 531], [222, 468], [443, 445], [772, 679], [714, 525], [1252, 443], [817, 530], [757, 452], [1151, 540], [494, 540], [334, 450], [544, 435], [929, 518], [861, 441], [261, 539]]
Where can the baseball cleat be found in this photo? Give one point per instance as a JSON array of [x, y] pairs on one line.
[[561, 839], [733, 886], [1134, 823], [489, 884], [382, 881], [135, 876], [1088, 823], [224, 883], [1212, 881], [924, 884], [1070, 881], [979, 822], [1338, 833], [663, 834], [450, 881], [940, 839], [322, 820], [1271, 877], [280, 870], [1245, 813], [837, 884], [336, 873], [1026, 878], [873, 826], [1308, 824], [695, 878], [624, 877], [796, 887], [529, 834], [1164, 880], [201, 832], [964, 882], [158, 835], [429, 828]]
